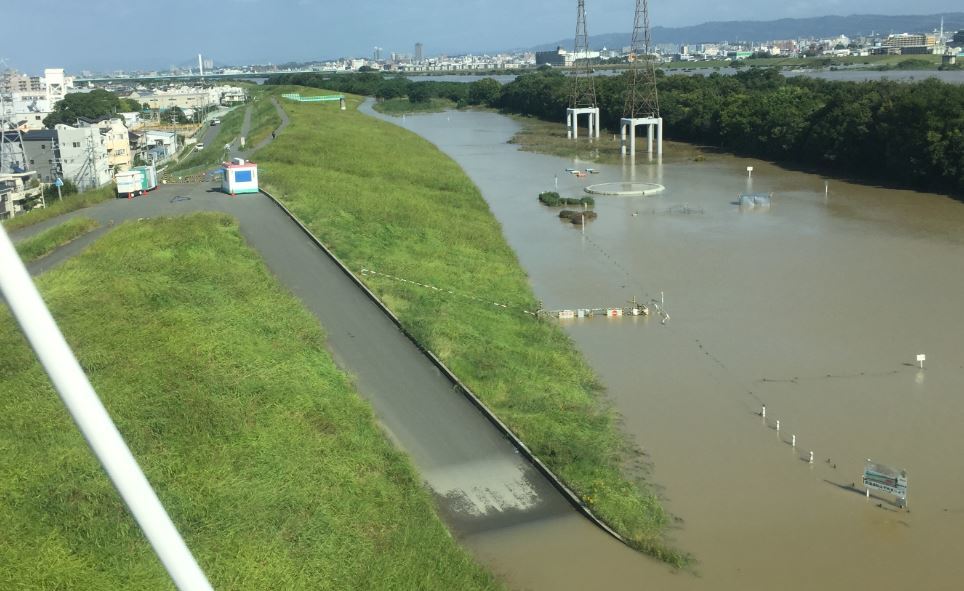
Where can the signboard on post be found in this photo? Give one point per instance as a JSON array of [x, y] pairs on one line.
[[885, 479]]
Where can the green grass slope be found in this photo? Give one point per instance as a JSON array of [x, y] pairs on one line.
[[53, 238], [56, 207], [385, 199], [267, 460]]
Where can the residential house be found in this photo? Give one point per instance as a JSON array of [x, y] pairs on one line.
[[18, 193], [232, 95], [77, 154], [114, 131], [158, 145]]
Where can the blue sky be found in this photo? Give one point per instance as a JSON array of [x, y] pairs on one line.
[[108, 34]]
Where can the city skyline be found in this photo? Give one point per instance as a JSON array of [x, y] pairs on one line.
[[257, 31]]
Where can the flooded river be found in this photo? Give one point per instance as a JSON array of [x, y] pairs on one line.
[[816, 306]]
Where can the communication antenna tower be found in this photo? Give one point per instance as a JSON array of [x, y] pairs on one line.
[[582, 95], [11, 140]]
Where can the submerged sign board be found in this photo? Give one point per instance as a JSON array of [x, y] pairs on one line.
[[885, 479]]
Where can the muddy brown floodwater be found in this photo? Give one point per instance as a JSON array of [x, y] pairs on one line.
[[816, 306]]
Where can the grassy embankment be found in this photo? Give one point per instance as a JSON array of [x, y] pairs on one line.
[[264, 120], [388, 200], [403, 106], [267, 460], [56, 207], [51, 239]]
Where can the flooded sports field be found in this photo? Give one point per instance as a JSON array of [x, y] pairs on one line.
[[816, 306]]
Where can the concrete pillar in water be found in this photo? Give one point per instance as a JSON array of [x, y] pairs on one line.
[[659, 136]]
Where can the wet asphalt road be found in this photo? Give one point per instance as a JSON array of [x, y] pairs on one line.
[[480, 481]]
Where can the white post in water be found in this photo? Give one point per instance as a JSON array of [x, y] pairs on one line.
[[811, 456], [763, 412], [826, 188], [93, 421], [662, 301], [920, 359], [778, 425], [793, 440]]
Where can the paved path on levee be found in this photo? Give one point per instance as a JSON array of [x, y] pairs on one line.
[[480, 481], [237, 152]]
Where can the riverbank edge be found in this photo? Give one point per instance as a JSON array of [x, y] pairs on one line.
[[557, 482], [624, 501]]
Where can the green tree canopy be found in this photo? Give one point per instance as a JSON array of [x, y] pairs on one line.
[[92, 105], [485, 92]]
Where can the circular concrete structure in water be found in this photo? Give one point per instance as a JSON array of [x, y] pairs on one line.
[[625, 189]]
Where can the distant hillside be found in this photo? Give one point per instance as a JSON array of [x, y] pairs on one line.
[[786, 28]]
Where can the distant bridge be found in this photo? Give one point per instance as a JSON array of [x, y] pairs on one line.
[[184, 77]]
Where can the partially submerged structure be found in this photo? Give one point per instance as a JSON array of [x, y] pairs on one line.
[[582, 97], [642, 100]]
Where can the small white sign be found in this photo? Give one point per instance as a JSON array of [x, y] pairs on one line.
[[749, 169], [922, 357]]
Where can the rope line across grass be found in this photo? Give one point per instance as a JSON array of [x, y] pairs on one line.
[[479, 299]]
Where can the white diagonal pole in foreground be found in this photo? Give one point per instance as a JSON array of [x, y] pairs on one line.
[[94, 422]]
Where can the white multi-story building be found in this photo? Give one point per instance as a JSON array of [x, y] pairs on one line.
[[115, 134], [184, 97], [27, 101]]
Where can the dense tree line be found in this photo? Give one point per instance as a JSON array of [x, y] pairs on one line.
[[907, 134]]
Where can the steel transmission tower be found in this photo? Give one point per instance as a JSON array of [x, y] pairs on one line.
[[583, 91], [582, 95], [642, 99]]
